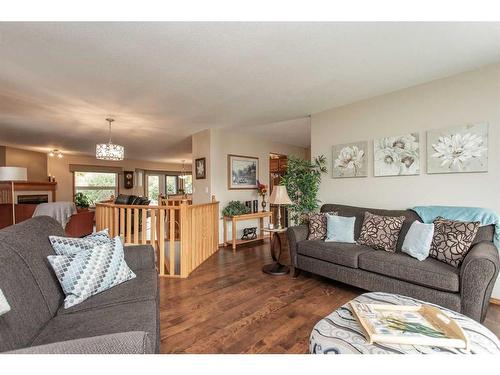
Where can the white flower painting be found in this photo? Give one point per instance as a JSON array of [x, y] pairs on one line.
[[396, 156], [460, 149], [350, 160]]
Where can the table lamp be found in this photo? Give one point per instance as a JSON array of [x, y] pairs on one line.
[[279, 197], [12, 174]]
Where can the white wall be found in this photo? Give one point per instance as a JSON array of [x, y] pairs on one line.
[[223, 142], [467, 98]]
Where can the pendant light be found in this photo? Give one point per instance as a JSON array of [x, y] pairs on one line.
[[183, 173], [109, 151]]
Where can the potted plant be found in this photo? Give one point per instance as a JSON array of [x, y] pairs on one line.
[[82, 202], [235, 208], [302, 180]]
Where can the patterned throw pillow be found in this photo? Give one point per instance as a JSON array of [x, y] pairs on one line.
[[89, 272], [70, 245], [317, 225], [381, 232], [452, 240]]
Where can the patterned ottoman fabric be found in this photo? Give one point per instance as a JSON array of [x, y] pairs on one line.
[[339, 332]]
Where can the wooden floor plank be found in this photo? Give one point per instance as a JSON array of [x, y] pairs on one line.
[[228, 305]]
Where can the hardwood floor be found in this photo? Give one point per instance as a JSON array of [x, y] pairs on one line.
[[229, 306]]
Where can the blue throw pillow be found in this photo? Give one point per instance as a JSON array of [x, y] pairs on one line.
[[418, 240], [85, 273], [340, 229]]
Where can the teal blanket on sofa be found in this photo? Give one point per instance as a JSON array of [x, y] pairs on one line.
[[487, 217]]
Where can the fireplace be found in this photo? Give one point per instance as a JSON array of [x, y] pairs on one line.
[[32, 198]]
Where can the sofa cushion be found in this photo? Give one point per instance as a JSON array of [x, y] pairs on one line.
[[125, 317], [317, 226], [88, 272], [30, 241], [142, 288], [381, 232], [359, 212], [345, 254], [452, 240], [429, 272]]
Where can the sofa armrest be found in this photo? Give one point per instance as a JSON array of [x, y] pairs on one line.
[[117, 343], [478, 274], [295, 235], [140, 257]]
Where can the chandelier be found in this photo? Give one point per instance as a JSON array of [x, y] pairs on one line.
[[109, 151], [183, 175]]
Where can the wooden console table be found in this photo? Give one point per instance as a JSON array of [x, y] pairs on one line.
[[234, 220]]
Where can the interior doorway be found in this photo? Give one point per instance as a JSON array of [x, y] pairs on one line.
[[277, 169]]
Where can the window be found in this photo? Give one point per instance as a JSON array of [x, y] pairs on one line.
[[153, 184], [171, 183], [188, 184], [96, 186]]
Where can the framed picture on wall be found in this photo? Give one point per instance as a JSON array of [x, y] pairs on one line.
[[242, 172], [350, 160], [200, 168], [459, 149], [396, 156]]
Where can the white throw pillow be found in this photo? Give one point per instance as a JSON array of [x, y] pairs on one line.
[[340, 228], [4, 305], [418, 240]]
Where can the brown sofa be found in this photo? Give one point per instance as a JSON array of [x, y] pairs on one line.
[[466, 289], [79, 225]]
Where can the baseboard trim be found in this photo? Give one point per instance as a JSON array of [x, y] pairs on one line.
[[495, 301]]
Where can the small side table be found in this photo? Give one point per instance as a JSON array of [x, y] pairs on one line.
[[275, 268]]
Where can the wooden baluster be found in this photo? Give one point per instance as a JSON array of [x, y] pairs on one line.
[[152, 234], [185, 241], [129, 225], [171, 245], [144, 225], [161, 241], [122, 223], [136, 225], [116, 220]]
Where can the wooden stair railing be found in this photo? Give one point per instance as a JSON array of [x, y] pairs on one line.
[[189, 232]]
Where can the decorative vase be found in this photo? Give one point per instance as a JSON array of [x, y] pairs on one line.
[[264, 203]]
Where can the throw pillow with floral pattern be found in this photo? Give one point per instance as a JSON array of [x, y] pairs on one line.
[[452, 240], [317, 225], [381, 232]]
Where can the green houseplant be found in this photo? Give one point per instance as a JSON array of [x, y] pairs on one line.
[[234, 208], [82, 201], [302, 180]]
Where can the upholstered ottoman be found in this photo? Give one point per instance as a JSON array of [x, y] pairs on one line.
[[340, 333]]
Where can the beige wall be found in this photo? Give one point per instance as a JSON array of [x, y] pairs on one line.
[[472, 97], [59, 168], [224, 142], [35, 162], [202, 189]]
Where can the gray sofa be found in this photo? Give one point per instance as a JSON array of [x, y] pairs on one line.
[[123, 319], [466, 289]]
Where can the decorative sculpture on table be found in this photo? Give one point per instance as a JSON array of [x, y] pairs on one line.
[[249, 233]]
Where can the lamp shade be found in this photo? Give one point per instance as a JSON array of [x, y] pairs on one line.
[[280, 195], [13, 174]]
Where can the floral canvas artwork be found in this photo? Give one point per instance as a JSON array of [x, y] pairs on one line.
[[350, 160], [396, 156], [458, 149]]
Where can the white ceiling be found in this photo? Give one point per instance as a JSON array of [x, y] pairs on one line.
[[164, 81]]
